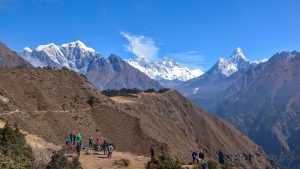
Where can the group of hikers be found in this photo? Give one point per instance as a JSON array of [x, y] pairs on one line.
[[198, 158], [76, 139]]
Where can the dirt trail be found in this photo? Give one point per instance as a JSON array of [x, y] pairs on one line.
[[96, 160], [45, 111]]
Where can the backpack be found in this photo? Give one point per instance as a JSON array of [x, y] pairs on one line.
[[201, 155]]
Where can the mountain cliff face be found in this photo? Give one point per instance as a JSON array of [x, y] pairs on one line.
[[267, 107], [9, 58], [111, 73], [167, 71], [51, 103]]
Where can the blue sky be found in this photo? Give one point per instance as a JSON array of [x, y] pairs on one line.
[[194, 32]]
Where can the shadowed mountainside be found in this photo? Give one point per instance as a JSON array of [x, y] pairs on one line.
[[267, 107]]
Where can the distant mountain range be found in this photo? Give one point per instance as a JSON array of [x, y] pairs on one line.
[[110, 73], [167, 71], [260, 98]]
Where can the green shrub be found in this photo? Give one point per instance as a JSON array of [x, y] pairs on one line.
[[14, 152], [92, 101], [60, 161], [212, 164]]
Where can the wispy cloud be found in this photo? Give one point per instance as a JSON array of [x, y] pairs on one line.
[[141, 46], [192, 59]]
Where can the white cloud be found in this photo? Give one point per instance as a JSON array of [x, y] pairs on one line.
[[141, 46]]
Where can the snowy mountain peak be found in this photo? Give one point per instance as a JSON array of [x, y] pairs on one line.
[[77, 44], [169, 62], [27, 49], [73, 55], [164, 69], [238, 54], [49, 46], [235, 62]]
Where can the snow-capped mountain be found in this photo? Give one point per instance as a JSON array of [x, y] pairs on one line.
[[165, 69], [212, 87], [111, 73], [73, 55], [237, 61]]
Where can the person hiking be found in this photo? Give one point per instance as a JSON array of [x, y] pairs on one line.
[[105, 147], [110, 150], [152, 152], [90, 142], [74, 138], [201, 155], [71, 137], [79, 138], [98, 140], [78, 149], [195, 156], [221, 158]]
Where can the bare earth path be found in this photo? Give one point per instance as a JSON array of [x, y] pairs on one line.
[[42, 111], [97, 160]]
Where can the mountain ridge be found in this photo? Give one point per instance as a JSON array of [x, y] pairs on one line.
[[110, 73]]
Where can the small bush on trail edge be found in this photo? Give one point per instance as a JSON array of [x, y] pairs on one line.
[[164, 161], [92, 101], [122, 163], [60, 161], [14, 152], [212, 164]]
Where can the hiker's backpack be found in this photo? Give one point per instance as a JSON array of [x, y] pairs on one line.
[[201, 155]]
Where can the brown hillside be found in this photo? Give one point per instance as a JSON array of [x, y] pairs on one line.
[[9, 58], [52, 103]]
